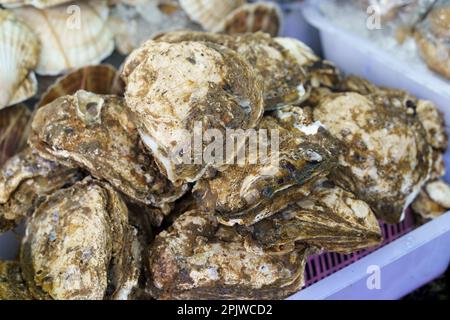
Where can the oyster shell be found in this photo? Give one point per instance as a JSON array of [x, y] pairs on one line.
[[433, 201], [284, 79], [13, 136], [19, 56], [99, 79], [209, 13], [12, 286], [174, 88], [388, 158], [95, 132], [192, 259], [79, 245], [253, 17], [246, 194], [70, 39], [330, 218], [36, 3], [24, 181]]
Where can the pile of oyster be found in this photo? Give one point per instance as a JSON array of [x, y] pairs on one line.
[[112, 209]]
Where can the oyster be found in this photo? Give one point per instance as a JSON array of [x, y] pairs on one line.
[[14, 122], [95, 132], [253, 17], [388, 158], [198, 259], [433, 201], [70, 38], [24, 181], [99, 79], [12, 286], [245, 194], [172, 89], [330, 218], [19, 56], [79, 245]]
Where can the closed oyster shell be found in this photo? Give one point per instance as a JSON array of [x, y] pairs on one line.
[[284, 79], [191, 260], [14, 122], [96, 132], [330, 218], [19, 56], [388, 158], [12, 286], [79, 245], [246, 194], [174, 88], [24, 181], [71, 37], [253, 17], [209, 13], [99, 79]]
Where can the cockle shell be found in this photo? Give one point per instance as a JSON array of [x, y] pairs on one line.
[[191, 260], [35, 3], [14, 122], [79, 244], [253, 17], [99, 79], [12, 285], [209, 13], [173, 87], [72, 36], [19, 56]]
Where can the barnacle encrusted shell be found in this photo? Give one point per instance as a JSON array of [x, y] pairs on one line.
[[36, 3], [253, 17], [96, 132], [331, 219], [71, 37], [25, 179], [99, 79], [14, 123], [248, 193], [79, 245], [174, 88], [198, 259], [209, 13], [19, 56], [387, 158], [284, 79], [12, 286]]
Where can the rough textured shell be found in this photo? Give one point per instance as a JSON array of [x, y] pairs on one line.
[[19, 56], [433, 201], [388, 158], [191, 260], [95, 132], [99, 79], [284, 80], [253, 17], [14, 122], [189, 83], [330, 218], [78, 245], [71, 37], [12, 286], [209, 13]]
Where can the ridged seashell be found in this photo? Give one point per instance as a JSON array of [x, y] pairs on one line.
[[12, 134], [71, 37], [209, 13], [99, 79], [34, 3], [253, 17], [19, 56]]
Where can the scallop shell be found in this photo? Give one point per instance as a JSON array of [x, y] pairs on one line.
[[253, 17], [12, 134], [99, 79], [19, 55], [34, 3], [71, 37], [209, 13]]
